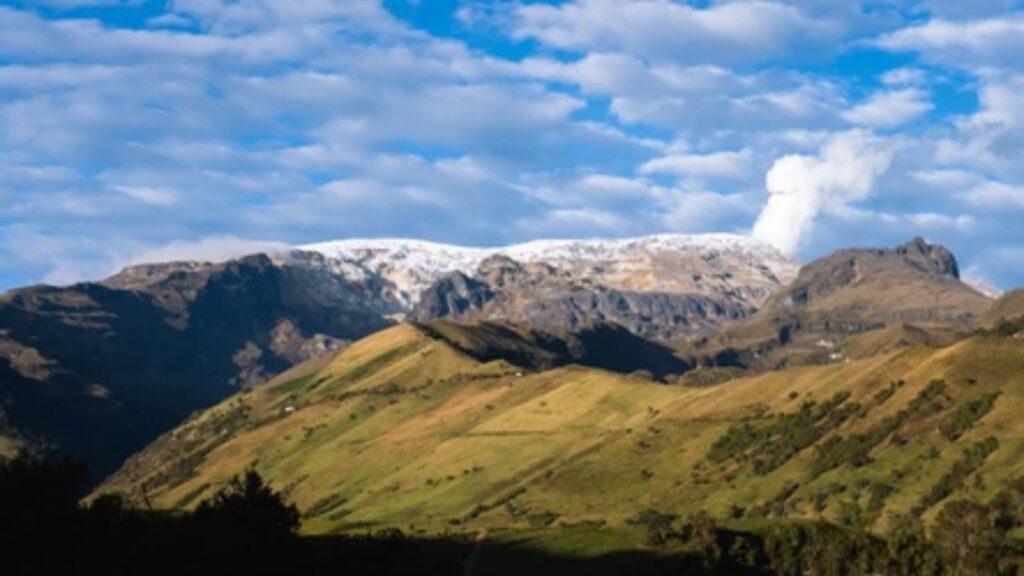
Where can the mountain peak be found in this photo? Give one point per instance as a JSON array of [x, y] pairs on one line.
[[912, 279], [931, 257]]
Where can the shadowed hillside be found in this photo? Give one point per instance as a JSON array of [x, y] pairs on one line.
[[598, 345], [98, 370]]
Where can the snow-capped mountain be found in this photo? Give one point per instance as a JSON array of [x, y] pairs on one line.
[[708, 265]]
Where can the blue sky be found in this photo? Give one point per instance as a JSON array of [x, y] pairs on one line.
[[141, 130]]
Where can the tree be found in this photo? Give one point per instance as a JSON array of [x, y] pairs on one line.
[[910, 552], [248, 505], [39, 511], [246, 527], [969, 539], [704, 538]]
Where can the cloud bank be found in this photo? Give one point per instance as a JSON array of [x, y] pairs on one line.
[[128, 126]]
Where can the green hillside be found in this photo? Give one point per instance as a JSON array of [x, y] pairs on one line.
[[404, 429]]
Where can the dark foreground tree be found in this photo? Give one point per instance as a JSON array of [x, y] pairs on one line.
[[248, 505], [244, 526]]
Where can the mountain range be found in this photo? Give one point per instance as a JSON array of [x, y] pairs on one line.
[[99, 370]]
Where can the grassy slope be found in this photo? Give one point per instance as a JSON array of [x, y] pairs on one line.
[[402, 430]]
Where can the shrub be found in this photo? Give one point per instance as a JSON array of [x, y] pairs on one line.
[[929, 393], [970, 541], [821, 548], [910, 552], [657, 526], [967, 415], [855, 449], [970, 460], [883, 395], [772, 444]]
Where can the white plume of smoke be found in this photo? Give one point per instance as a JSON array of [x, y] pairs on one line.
[[802, 187]]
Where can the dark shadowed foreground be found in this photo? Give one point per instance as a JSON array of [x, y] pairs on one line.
[[247, 528]]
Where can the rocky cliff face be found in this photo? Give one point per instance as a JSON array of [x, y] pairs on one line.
[[552, 299], [658, 287]]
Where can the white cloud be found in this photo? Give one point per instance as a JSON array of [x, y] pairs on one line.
[[890, 109], [996, 196], [704, 211], [992, 137], [696, 97], [612, 186], [991, 41], [207, 249], [576, 223], [728, 164], [904, 77], [661, 29], [802, 187], [946, 178], [150, 195], [331, 118], [932, 220]]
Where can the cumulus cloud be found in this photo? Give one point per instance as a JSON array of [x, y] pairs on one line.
[[890, 109], [802, 187]]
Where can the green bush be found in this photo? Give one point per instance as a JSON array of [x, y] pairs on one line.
[[967, 415], [773, 443], [930, 392], [970, 460], [855, 449], [883, 395]]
